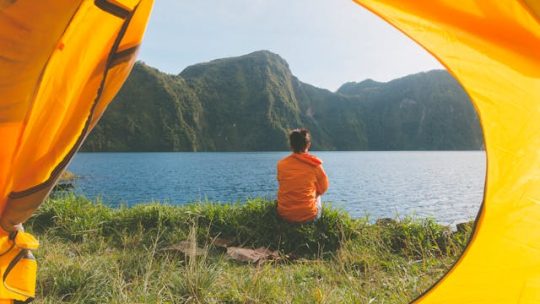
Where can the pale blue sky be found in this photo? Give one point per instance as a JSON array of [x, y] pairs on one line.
[[325, 42]]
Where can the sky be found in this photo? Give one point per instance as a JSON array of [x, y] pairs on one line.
[[325, 42]]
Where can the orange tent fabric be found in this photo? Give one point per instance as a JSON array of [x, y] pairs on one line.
[[493, 49], [61, 63]]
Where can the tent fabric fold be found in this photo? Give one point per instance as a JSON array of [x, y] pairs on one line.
[[64, 63]]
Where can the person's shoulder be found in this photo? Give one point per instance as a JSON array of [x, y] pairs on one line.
[[317, 158], [318, 162], [284, 159]]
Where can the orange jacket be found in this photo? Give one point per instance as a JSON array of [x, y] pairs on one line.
[[301, 179]]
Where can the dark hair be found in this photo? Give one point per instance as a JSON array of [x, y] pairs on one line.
[[299, 139]]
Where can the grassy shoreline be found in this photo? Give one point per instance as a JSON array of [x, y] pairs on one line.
[[91, 253]]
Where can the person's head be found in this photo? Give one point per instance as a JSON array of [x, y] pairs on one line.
[[300, 140]]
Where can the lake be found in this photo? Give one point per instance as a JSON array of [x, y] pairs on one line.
[[447, 186]]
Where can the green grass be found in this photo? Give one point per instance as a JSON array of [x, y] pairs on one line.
[[91, 253]]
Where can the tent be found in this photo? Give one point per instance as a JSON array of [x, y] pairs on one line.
[[61, 63], [493, 49]]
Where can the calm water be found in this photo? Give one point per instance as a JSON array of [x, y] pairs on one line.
[[445, 185]]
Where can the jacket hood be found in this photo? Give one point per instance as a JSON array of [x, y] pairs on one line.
[[308, 159]]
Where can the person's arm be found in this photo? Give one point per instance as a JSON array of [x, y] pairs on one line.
[[322, 181]]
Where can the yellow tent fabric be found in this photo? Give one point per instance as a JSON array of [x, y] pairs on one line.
[[493, 50], [61, 63]]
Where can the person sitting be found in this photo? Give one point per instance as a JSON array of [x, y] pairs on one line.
[[302, 181]]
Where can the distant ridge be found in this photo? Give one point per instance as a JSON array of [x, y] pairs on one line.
[[248, 103], [358, 88]]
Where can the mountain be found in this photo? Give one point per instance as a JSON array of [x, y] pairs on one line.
[[249, 103], [424, 111]]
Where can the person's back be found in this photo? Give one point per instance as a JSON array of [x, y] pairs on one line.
[[302, 181]]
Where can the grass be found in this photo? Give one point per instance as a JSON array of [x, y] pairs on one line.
[[91, 253]]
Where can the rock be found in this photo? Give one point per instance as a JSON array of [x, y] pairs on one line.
[[186, 247], [67, 177], [386, 222], [63, 187], [222, 243], [65, 183], [252, 255]]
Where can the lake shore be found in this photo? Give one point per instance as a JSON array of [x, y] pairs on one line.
[[91, 253], [447, 186]]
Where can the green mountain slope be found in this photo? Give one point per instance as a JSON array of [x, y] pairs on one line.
[[425, 111], [249, 103]]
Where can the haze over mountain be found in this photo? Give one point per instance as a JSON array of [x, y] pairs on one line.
[[249, 103]]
